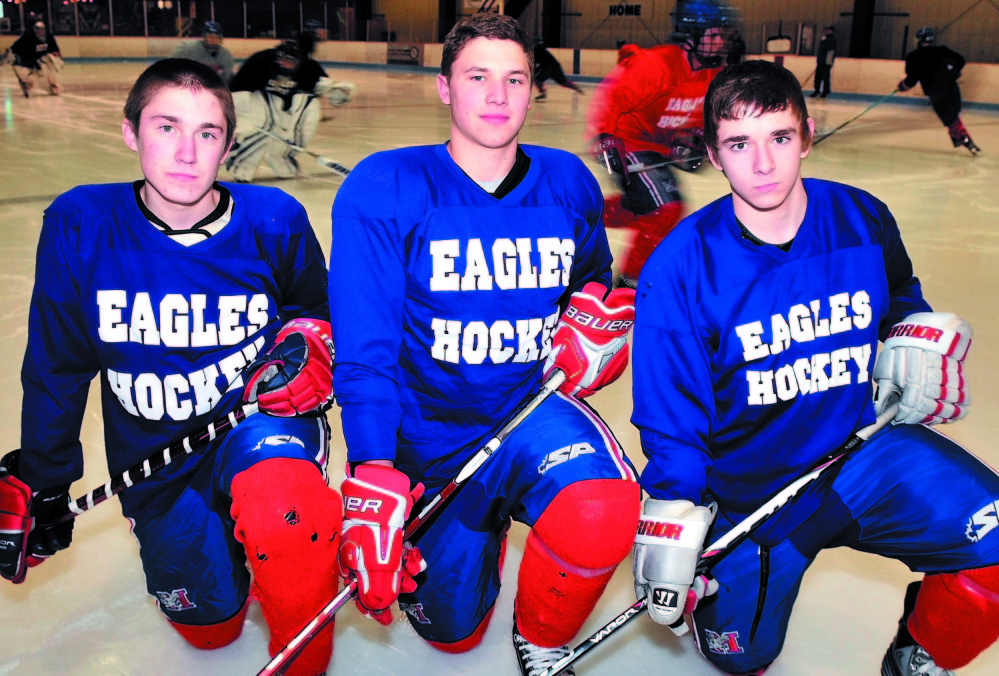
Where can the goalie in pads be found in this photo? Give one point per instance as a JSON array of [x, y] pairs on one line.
[[754, 351], [276, 93], [36, 58]]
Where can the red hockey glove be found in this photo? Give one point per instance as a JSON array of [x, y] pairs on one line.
[[609, 151], [27, 542], [921, 366], [377, 501], [590, 343], [294, 377]]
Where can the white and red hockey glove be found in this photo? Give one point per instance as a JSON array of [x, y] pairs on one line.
[[590, 342], [920, 366], [668, 546], [376, 503], [609, 151], [25, 540], [294, 377]]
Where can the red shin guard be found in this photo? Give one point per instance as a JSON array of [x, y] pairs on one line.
[[571, 554], [289, 522], [212, 636], [615, 215], [652, 229], [957, 615], [466, 644]]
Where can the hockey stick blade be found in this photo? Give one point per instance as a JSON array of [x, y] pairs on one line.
[[283, 659], [725, 544], [153, 464], [333, 166]]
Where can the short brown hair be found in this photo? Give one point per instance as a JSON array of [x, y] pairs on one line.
[[179, 73], [492, 26], [760, 86]]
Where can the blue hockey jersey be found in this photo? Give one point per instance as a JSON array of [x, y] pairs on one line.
[[750, 363], [444, 298], [169, 328]]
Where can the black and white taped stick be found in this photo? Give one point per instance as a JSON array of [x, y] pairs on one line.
[[865, 110], [640, 168], [281, 661], [714, 553], [321, 160], [154, 463]]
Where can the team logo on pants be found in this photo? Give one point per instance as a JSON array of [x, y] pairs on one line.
[[983, 521], [414, 610], [175, 600], [725, 643], [564, 454]]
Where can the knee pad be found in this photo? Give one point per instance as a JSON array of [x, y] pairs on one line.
[[289, 522], [652, 229], [212, 636], [956, 615], [570, 556]]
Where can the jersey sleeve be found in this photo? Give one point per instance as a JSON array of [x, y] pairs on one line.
[[905, 292], [627, 89], [58, 362], [367, 289], [252, 76], [592, 262], [673, 397], [304, 284]]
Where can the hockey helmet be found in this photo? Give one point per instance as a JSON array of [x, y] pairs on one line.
[[287, 55], [212, 28], [926, 35], [691, 18]]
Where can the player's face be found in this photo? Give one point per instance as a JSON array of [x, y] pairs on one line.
[[489, 93], [212, 40], [761, 156], [712, 43], [181, 144]]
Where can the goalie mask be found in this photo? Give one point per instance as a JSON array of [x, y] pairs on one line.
[[702, 28], [287, 56]]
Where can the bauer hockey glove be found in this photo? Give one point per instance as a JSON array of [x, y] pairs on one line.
[[25, 538], [609, 151], [376, 503], [590, 341], [921, 367], [668, 545], [294, 377]]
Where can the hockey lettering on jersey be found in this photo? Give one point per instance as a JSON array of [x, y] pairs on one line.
[[521, 341], [511, 264], [804, 324], [672, 120]]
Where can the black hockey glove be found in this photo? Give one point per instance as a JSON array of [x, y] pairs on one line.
[[608, 150], [689, 152], [26, 537]]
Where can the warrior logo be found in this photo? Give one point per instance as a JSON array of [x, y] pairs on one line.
[[982, 522], [175, 600], [726, 643], [665, 600], [414, 610], [563, 455]]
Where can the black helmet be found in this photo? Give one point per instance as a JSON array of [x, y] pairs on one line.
[[693, 18], [212, 28], [926, 35]]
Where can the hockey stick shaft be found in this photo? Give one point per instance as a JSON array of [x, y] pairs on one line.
[[283, 659], [326, 162], [154, 463], [855, 117], [725, 544]]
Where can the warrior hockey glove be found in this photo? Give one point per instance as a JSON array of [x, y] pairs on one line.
[[25, 539], [295, 377], [590, 342], [667, 547], [921, 367], [377, 501], [609, 151]]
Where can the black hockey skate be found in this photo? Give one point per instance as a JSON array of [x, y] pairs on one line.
[[905, 657], [533, 659], [970, 145]]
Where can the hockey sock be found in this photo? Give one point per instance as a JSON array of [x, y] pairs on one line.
[[571, 554], [615, 215], [956, 615], [652, 229], [475, 638], [289, 522], [212, 636]]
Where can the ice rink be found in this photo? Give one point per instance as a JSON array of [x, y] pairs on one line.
[[86, 612]]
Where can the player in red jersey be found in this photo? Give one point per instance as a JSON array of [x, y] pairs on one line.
[[648, 111]]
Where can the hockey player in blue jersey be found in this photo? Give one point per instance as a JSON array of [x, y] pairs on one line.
[[451, 266], [185, 296], [757, 327]]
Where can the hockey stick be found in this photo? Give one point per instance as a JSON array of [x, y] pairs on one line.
[[24, 86], [640, 168], [321, 160], [873, 105], [713, 554], [280, 662], [154, 463]]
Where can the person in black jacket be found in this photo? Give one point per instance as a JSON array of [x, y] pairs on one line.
[[37, 57], [937, 69], [547, 67], [824, 62]]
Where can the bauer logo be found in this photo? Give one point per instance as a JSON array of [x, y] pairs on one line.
[[665, 599], [983, 522], [175, 600], [725, 643], [355, 504]]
